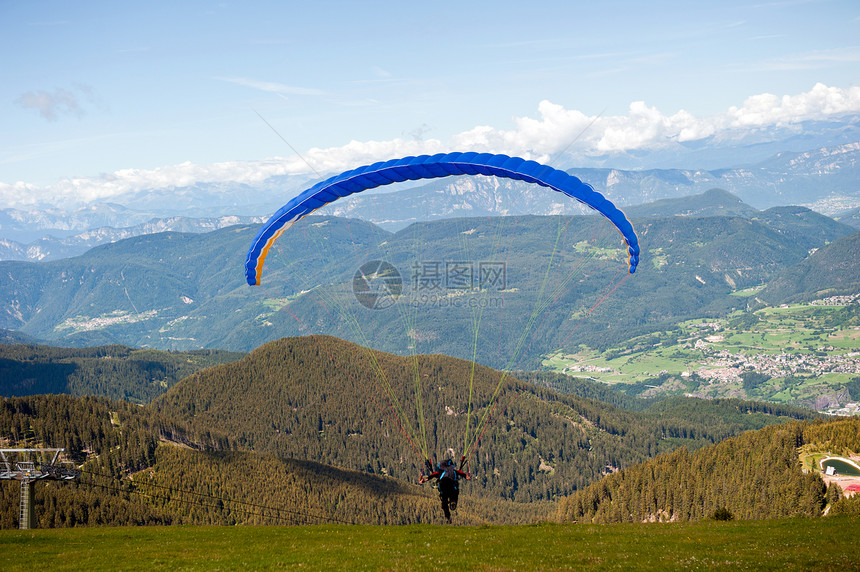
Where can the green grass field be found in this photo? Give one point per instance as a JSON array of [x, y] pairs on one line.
[[792, 544]]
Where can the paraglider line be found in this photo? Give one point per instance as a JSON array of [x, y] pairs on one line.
[[575, 139], [299, 155], [564, 287], [540, 307], [355, 381], [600, 301], [490, 421], [350, 319]]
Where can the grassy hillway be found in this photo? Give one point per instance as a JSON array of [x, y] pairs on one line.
[[791, 544]]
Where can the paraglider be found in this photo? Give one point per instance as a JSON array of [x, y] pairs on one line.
[[377, 285], [448, 482], [432, 167]]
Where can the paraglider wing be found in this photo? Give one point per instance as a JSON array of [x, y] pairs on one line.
[[432, 167]]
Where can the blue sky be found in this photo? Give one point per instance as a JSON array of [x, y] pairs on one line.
[[98, 98]]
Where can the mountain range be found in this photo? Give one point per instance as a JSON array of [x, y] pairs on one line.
[[186, 291], [822, 178], [832, 271], [53, 248]]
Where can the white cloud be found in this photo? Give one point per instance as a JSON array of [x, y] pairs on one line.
[[645, 127], [73, 192], [821, 101], [357, 153], [52, 105], [554, 130]]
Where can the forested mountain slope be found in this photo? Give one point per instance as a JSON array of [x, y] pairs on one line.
[[755, 475], [733, 415], [11, 337], [117, 372], [833, 270], [321, 398], [714, 202], [138, 468], [803, 225], [216, 447], [850, 217], [166, 291]]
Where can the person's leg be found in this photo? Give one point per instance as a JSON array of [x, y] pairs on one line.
[[445, 509], [445, 490]]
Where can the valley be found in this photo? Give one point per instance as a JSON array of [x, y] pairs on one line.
[[803, 354]]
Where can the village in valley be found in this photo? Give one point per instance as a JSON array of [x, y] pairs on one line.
[[799, 354]]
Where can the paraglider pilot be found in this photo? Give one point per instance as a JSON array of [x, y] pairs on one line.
[[448, 479]]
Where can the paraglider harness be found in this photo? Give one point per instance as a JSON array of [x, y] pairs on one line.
[[447, 473], [444, 470], [447, 482]]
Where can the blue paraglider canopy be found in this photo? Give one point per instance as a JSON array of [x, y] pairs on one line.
[[432, 167]]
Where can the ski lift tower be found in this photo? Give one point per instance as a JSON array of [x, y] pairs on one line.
[[27, 471]]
